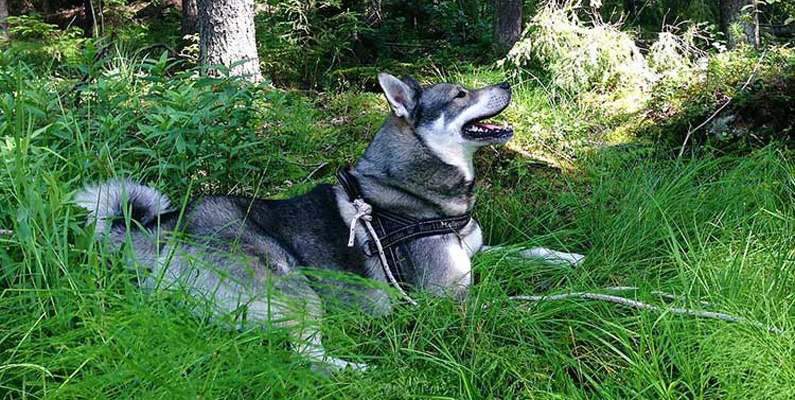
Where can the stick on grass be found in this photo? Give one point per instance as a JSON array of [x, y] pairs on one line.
[[639, 305]]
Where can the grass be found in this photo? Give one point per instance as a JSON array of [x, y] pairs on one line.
[[716, 228]]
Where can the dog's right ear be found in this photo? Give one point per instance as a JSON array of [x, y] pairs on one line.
[[401, 97]]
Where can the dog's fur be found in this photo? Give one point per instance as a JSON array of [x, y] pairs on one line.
[[237, 252]]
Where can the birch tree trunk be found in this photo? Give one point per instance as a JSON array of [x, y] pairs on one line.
[[742, 14], [507, 25], [190, 17], [226, 36]]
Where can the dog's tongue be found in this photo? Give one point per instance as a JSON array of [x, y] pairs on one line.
[[488, 126]]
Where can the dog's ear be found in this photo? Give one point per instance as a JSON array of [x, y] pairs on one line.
[[402, 96], [409, 80]]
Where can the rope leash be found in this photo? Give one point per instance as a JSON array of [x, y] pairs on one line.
[[363, 213]]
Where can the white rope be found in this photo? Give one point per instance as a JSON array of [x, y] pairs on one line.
[[363, 212]]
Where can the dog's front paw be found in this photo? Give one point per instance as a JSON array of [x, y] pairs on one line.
[[574, 259], [330, 366], [357, 366], [553, 257]]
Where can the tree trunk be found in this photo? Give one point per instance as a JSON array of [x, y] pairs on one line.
[[44, 8], [740, 15], [3, 16], [190, 17], [226, 36], [507, 25], [91, 19]]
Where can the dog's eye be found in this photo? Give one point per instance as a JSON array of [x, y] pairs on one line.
[[460, 94]]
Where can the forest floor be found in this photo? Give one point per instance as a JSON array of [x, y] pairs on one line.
[[714, 227]]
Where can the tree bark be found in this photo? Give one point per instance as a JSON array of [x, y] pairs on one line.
[[226, 36], [190, 17], [91, 20], [507, 25], [742, 14], [44, 8], [3, 23]]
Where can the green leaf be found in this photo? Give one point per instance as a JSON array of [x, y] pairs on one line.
[[180, 143]]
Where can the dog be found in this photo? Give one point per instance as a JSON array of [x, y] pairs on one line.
[[399, 216]]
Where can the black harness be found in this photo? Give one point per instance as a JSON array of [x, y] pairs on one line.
[[394, 229]]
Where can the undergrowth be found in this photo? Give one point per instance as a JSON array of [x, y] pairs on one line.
[[714, 227]]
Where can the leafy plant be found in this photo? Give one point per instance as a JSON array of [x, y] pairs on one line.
[[673, 55], [43, 41], [31, 26], [304, 41], [578, 58], [743, 99]]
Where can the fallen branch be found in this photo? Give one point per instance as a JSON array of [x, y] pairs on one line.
[[647, 307], [667, 296], [315, 171]]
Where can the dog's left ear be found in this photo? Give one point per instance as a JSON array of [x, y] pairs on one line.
[[402, 95], [413, 84]]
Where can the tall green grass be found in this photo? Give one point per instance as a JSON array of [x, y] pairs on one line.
[[716, 228]]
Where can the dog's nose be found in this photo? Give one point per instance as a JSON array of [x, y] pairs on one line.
[[504, 85]]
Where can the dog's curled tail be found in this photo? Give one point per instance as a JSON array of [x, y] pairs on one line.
[[104, 203]]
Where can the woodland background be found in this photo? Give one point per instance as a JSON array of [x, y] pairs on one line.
[[654, 136]]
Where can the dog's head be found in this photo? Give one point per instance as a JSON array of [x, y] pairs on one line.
[[447, 117]]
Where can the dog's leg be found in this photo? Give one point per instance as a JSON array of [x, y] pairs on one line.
[[540, 253], [298, 308]]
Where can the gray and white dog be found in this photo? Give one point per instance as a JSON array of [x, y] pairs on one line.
[[238, 253]]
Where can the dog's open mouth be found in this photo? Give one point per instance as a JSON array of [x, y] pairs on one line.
[[486, 131]]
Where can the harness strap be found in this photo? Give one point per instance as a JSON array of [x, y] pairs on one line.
[[363, 212], [393, 229], [423, 228], [348, 182]]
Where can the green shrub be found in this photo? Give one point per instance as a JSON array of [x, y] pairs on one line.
[[42, 43], [31, 26], [142, 119], [597, 63], [577, 57], [758, 87], [673, 56], [301, 42]]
